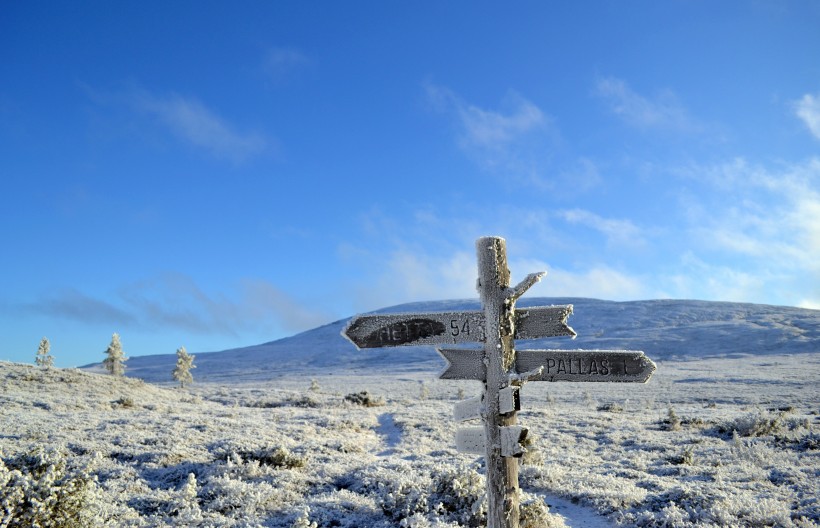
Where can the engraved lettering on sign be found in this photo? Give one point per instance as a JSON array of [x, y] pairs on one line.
[[458, 327], [405, 332], [584, 366]]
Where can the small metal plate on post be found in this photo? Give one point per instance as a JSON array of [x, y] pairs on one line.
[[471, 441], [509, 400], [512, 437]]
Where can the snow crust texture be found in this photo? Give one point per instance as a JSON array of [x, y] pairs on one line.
[[308, 432], [713, 442]]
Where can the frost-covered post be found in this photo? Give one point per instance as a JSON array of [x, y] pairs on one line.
[[43, 358], [115, 358], [182, 372], [499, 358]]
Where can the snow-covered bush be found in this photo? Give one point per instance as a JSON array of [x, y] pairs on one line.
[[779, 423], [41, 489], [365, 398], [43, 358], [115, 359], [182, 371], [447, 493], [672, 422]]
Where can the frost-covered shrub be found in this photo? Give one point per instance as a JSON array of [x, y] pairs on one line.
[[303, 520], [452, 494], [535, 514], [686, 505], [686, 458], [115, 359], [182, 370], [460, 494], [365, 398], [187, 507], [532, 455], [43, 358], [40, 488], [125, 402], [673, 421], [778, 423], [278, 457]]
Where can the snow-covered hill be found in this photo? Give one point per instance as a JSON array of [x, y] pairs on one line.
[[663, 329]]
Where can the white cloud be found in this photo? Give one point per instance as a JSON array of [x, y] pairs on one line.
[[514, 141], [753, 232], [770, 214], [664, 111], [619, 232], [600, 282], [196, 124], [808, 110]]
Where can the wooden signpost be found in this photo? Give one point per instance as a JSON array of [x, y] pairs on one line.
[[499, 365]]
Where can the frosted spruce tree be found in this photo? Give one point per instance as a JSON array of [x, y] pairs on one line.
[[115, 359], [185, 362], [44, 359]]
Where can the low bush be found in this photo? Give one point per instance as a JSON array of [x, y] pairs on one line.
[[41, 488], [365, 398]]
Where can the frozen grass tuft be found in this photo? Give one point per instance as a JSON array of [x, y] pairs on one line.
[[40, 488], [365, 399]]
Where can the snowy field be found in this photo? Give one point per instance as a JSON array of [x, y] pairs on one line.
[[724, 436]]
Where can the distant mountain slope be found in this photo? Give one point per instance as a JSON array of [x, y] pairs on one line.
[[664, 329]]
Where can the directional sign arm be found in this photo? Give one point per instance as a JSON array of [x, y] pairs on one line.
[[556, 365], [543, 321], [586, 365], [434, 328], [442, 328]]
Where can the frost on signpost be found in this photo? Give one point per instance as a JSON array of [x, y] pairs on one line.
[[499, 366]]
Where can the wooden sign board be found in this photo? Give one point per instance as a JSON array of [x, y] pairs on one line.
[[469, 409], [509, 401], [439, 328], [472, 440], [556, 365]]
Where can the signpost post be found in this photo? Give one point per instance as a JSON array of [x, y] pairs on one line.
[[499, 365]]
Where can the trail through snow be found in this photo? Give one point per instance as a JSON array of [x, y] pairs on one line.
[[390, 432], [575, 515]]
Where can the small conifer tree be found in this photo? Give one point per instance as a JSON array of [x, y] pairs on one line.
[[115, 358], [44, 359], [182, 372]]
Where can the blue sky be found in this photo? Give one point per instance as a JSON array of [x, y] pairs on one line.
[[221, 174]]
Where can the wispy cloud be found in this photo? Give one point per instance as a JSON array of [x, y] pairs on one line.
[[756, 227], [600, 282], [517, 139], [808, 110], [73, 305], [618, 232], [175, 301], [196, 124], [278, 63], [661, 112]]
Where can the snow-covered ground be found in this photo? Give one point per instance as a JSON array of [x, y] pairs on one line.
[[724, 434]]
